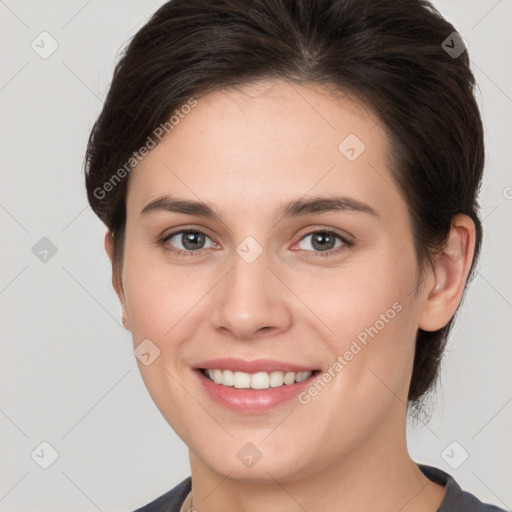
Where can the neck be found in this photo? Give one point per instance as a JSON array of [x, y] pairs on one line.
[[377, 476]]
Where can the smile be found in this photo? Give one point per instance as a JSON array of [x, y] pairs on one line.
[[259, 380]]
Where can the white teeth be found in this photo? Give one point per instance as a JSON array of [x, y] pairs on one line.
[[276, 379], [241, 380], [260, 380], [302, 376]]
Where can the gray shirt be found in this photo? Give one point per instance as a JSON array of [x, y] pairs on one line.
[[455, 499]]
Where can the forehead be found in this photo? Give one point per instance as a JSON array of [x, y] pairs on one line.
[[257, 145]]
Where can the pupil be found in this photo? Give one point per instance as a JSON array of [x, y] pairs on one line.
[[191, 238], [325, 239]]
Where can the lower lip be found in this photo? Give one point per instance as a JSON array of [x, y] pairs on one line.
[[252, 400]]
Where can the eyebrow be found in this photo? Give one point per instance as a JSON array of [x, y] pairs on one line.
[[294, 208]]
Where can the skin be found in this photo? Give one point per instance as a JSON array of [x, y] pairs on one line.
[[245, 151]]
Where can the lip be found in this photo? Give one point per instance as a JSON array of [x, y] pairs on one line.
[[257, 365], [252, 401]]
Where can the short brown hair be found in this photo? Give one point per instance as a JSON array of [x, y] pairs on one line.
[[387, 53]]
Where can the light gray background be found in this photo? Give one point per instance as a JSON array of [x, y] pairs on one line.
[[68, 374]]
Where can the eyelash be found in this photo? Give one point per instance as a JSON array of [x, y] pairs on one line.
[[347, 244]]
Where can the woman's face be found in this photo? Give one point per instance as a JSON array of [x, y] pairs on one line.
[[257, 284]]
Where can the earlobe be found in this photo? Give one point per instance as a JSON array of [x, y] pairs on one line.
[[116, 281], [451, 270]]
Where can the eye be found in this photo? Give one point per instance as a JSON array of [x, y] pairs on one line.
[[324, 241], [191, 240]]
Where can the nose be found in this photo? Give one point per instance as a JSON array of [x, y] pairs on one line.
[[252, 300]]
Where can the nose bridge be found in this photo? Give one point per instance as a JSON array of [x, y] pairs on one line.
[[251, 297]]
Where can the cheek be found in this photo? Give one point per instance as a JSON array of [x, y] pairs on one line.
[[363, 299], [160, 298], [371, 313]]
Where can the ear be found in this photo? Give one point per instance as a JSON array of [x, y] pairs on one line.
[[116, 278], [451, 270]]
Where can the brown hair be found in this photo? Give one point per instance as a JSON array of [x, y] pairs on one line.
[[387, 53]]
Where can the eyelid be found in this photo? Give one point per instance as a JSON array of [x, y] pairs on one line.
[[348, 238], [347, 242], [165, 238]]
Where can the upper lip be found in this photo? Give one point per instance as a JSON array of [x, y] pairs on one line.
[[257, 365]]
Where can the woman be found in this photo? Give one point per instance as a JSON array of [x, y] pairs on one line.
[[290, 190]]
